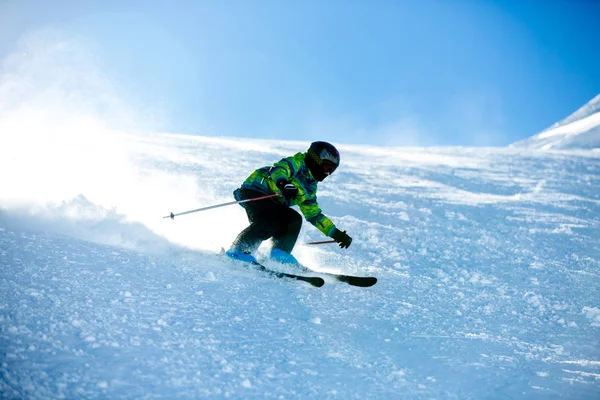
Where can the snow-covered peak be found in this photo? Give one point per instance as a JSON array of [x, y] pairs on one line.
[[580, 130]]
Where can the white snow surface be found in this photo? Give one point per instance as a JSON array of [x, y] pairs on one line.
[[580, 130], [487, 259]]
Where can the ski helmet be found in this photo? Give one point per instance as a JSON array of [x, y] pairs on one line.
[[322, 159]]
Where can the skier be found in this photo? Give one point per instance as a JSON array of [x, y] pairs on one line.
[[295, 179]]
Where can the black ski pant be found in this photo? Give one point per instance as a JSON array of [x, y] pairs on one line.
[[268, 219]]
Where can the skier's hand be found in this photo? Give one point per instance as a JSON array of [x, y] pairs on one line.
[[288, 190], [342, 238]]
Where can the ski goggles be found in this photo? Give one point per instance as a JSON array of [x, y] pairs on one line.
[[328, 167]]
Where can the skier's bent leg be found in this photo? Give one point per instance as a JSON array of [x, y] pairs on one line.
[[288, 230], [250, 238]]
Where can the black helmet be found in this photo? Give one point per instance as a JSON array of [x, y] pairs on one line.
[[322, 159]]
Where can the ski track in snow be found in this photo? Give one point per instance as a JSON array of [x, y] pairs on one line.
[[487, 259]]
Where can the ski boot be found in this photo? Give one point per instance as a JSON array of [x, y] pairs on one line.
[[240, 255]]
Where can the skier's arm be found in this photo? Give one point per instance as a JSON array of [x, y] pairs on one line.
[[313, 214]]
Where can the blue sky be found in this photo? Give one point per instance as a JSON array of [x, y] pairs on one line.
[[381, 72]]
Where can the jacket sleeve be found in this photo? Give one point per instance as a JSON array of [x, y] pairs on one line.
[[311, 211]]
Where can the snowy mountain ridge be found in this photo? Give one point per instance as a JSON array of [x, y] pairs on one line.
[[580, 130], [591, 107]]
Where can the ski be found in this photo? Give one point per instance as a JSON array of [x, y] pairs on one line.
[[361, 281], [313, 280]]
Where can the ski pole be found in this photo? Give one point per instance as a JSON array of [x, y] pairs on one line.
[[172, 216], [323, 242]]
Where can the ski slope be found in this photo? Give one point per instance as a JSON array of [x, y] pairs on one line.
[[487, 259]]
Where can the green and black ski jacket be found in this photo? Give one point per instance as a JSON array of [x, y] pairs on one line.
[[294, 170]]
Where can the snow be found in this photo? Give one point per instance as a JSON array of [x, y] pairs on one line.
[[580, 130], [593, 314], [487, 259]]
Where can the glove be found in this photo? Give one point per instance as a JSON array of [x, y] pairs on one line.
[[288, 190], [342, 238]]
